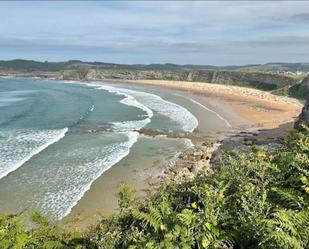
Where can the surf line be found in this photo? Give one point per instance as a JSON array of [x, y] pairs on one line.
[[208, 109], [34, 152]]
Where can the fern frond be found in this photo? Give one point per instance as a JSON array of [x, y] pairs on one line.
[[287, 197]]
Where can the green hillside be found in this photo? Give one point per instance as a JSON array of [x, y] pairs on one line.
[[30, 65]]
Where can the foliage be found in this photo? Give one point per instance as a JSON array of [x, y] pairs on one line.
[[39, 233], [300, 91], [256, 199], [282, 91]]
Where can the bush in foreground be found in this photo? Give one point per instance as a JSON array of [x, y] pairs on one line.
[[254, 200]]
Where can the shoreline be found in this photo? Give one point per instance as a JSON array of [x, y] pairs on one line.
[[188, 163], [260, 102], [245, 110], [265, 107]]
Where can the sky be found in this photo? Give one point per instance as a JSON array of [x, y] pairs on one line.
[[144, 32]]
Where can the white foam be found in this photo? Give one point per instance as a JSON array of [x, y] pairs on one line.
[[188, 143], [61, 201], [92, 108], [7, 77], [17, 147], [166, 108], [70, 81], [128, 100], [131, 125]]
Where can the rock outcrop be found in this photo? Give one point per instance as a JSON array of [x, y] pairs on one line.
[[73, 75], [301, 90], [189, 164], [304, 116]]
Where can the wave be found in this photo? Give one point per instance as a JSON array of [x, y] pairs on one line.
[[7, 77], [9, 97], [17, 147], [149, 102], [130, 125], [128, 100], [83, 117], [80, 179], [153, 102]]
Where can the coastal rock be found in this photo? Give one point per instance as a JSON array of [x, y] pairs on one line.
[[302, 91], [197, 166], [188, 165], [303, 118], [249, 141]]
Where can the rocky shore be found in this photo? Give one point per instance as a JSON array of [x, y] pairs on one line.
[[187, 165], [205, 157]]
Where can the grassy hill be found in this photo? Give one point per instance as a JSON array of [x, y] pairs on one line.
[[30, 65]]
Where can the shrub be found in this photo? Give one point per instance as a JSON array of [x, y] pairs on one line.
[[255, 199]]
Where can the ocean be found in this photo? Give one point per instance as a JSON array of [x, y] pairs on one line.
[[57, 138]]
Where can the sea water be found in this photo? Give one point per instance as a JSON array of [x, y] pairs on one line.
[[57, 138]]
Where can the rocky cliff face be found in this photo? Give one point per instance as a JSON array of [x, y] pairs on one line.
[[73, 75], [302, 90], [303, 117], [255, 79], [260, 80]]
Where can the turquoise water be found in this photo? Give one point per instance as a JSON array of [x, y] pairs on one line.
[[57, 138]]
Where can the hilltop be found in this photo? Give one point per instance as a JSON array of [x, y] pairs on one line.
[[31, 65]]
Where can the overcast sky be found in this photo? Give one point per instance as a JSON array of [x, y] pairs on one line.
[[218, 33]]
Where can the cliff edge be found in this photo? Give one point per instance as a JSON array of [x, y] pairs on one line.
[[260, 80], [302, 90]]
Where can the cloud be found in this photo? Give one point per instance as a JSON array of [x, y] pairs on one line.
[[279, 42], [302, 17], [137, 32]]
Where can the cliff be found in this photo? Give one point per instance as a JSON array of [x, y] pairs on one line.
[[266, 81], [302, 91]]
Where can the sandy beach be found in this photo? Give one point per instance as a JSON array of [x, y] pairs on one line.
[[262, 108], [220, 110]]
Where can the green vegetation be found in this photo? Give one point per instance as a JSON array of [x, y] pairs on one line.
[[300, 91], [256, 85], [255, 199], [30, 65], [283, 91]]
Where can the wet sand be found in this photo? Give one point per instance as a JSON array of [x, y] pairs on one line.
[[220, 113], [147, 158]]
